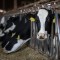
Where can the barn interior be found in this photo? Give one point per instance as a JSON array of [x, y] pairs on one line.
[[11, 7]]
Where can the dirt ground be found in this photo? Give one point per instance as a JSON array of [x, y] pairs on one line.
[[25, 53]]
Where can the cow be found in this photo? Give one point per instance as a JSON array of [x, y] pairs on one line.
[[47, 19], [16, 33]]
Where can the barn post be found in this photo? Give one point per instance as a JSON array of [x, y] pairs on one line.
[[56, 37]]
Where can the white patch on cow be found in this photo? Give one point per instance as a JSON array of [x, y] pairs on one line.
[[13, 27], [42, 14], [2, 20], [10, 29], [17, 46]]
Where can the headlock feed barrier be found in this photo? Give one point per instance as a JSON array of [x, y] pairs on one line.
[[44, 46]]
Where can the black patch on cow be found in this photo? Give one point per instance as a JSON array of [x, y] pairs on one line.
[[23, 27], [49, 20], [38, 24], [11, 43], [1, 26], [5, 39]]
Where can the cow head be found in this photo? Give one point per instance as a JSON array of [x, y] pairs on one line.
[[44, 22]]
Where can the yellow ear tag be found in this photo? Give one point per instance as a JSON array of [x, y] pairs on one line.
[[13, 34], [32, 19], [54, 20], [18, 37]]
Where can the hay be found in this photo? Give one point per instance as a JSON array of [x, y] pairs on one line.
[[25, 53]]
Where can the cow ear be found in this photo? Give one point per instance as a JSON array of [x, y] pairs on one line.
[[2, 20]]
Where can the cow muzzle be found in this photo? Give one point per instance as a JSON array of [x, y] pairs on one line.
[[41, 36]]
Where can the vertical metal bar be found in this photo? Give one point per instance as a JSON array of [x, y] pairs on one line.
[[47, 49], [33, 31], [51, 41], [31, 36], [36, 41], [56, 38], [32, 42]]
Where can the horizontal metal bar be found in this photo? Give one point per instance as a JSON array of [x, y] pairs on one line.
[[33, 7]]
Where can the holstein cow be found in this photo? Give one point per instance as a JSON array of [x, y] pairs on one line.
[[16, 33], [47, 18]]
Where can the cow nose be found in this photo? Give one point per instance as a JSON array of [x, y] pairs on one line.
[[42, 36]]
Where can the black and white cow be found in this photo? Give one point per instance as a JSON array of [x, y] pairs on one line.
[[47, 18], [16, 33]]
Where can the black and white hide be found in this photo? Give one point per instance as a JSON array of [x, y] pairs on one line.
[[18, 35]]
